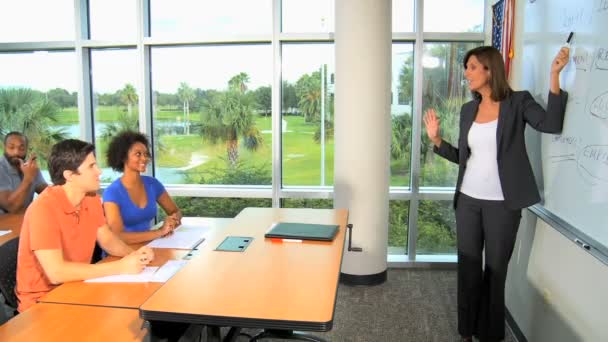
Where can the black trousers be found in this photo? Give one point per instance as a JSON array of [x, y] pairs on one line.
[[481, 290]]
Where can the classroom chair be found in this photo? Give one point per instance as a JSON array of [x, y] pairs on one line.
[[8, 271]]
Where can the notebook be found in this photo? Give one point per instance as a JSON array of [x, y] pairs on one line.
[[302, 231]]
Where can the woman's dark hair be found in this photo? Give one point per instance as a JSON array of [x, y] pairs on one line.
[[491, 59], [67, 155], [118, 149]]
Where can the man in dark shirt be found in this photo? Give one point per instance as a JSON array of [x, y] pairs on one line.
[[19, 177]]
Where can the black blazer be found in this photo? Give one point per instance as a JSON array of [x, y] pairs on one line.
[[518, 185]]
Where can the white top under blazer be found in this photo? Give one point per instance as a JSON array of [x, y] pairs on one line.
[[481, 179]]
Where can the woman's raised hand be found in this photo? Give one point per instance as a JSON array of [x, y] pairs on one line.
[[560, 60], [432, 122]]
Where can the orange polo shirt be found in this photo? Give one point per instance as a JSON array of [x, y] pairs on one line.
[[52, 222]]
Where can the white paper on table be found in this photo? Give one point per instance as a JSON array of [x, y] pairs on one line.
[[145, 276], [184, 237], [166, 271], [4, 232]]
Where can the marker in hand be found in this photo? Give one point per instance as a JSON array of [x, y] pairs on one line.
[[569, 39]]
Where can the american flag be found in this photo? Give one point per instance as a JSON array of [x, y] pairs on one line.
[[503, 13]]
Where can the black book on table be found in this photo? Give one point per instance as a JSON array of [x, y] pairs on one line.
[[302, 231]]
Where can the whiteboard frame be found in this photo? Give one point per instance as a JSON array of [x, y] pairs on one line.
[[578, 237]]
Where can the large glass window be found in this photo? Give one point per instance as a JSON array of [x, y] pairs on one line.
[[113, 19], [307, 16], [38, 97], [217, 207], [36, 21], [212, 71], [402, 90], [444, 90], [203, 18], [398, 217], [453, 15], [403, 15], [211, 114], [308, 114], [436, 228], [316, 203], [115, 100]]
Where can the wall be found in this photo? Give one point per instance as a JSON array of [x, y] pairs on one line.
[[555, 290]]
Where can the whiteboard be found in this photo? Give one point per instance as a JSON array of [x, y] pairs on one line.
[[574, 180]]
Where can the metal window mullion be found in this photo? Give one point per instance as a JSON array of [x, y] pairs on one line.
[[416, 133], [277, 172], [212, 40], [487, 22], [144, 84], [452, 36], [83, 72], [33, 46]]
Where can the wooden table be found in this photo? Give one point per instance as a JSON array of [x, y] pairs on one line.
[[61, 322], [10, 222], [271, 285], [123, 295]]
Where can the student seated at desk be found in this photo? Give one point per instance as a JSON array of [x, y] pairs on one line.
[[60, 229], [19, 177], [130, 201]]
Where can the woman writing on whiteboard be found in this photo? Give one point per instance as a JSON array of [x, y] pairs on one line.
[[130, 201], [495, 181]]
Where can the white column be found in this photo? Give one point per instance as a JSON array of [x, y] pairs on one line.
[[362, 132]]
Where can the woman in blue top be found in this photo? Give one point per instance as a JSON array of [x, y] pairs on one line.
[[130, 201]]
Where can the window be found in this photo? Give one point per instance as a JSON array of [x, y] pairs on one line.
[[402, 89], [214, 69], [113, 19], [307, 114], [204, 18], [316, 203], [398, 217], [436, 228], [307, 16], [403, 15], [211, 114], [443, 90], [217, 207], [453, 16], [36, 21], [40, 91], [115, 100]]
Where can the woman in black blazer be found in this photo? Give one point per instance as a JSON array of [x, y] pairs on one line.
[[495, 181]]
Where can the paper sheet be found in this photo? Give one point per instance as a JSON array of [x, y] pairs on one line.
[[149, 274], [185, 237], [167, 271], [142, 277], [4, 232]]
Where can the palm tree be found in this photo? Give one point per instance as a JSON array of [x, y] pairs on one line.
[[128, 95], [123, 123], [406, 80], [30, 113], [308, 90], [228, 116], [186, 94], [239, 82]]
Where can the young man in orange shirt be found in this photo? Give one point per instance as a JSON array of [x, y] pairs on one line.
[[60, 229]]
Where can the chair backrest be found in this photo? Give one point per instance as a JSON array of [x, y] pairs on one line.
[[8, 271], [97, 254]]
